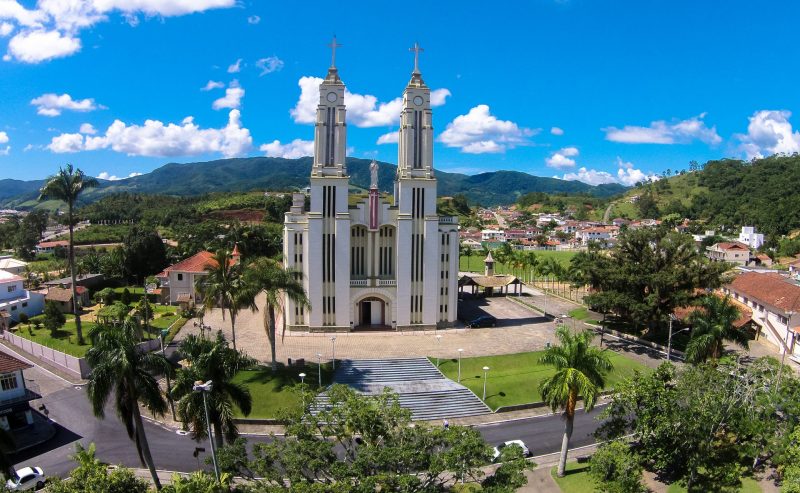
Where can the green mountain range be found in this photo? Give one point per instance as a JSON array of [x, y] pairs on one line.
[[265, 173]]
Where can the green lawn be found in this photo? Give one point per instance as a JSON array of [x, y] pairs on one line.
[[65, 340], [272, 392], [581, 313], [514, 378], [577, 480], [474, 263]]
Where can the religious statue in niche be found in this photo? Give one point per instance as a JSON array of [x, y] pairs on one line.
[[373, 173]]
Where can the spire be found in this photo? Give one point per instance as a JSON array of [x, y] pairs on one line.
[[416, 76], [333, 72]]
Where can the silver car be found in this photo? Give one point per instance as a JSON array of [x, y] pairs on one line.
[[27, 478]]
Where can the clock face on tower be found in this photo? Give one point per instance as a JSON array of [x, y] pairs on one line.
[[331, 97], [418, 100]]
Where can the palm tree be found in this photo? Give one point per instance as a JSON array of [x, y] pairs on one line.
[[224, 286], [67, 185], [122, 370], [211, 359], [468, 253], [712, 324], [580, 369], [270, 277]]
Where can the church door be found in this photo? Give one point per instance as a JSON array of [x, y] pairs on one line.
[[366, 313]]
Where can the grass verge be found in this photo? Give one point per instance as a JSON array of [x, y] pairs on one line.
[[273, 392], [514, 378]]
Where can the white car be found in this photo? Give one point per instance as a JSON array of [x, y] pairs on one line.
[[27, 478], [499, 449]]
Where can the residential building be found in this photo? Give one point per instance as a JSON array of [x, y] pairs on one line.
[[588, 235], [178, 282], [12, 265], [383, 262], [15, 299], [51, 246], [749, 237], [89, 281], [729, 251], [775, 302], [15, 394], [493, 235], [62, 297]]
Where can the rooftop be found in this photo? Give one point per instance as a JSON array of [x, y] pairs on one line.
[[197, 263], [770, 288], [9, 363]]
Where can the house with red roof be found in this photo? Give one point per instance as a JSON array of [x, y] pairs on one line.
[[178, 281], [15, 394], [729, 251]]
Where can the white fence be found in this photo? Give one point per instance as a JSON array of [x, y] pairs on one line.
[[75, 366]]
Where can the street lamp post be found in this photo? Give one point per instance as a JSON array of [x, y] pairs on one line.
[[164, 333], [485, 376], [205, 388], [319, 369], [333, 347], [438, 343], [302, 377], [460, 351], [669, 339]]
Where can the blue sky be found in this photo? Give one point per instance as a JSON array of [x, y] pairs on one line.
[[584, 89]]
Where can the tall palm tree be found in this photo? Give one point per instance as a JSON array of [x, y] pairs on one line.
[[66, 186], [712, 325], [580, 369], [225, 287], [270, 277], [211, 359], [122, 370]]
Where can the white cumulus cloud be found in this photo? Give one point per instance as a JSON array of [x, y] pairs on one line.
[[253, 19], [4, 138], [156, 139], [556, 131], [105, 175], [235, 67], [212, 84], [39, 45], [292, 150], [88, 129], [232, 98], [626, 175], [53, 104], [662, 132], [480, 132], [363, 110], [769, 132], [562, 158], [269, 65], [389, 138], [6, 28]]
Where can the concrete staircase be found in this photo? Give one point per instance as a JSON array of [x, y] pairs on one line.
[[420, 385]]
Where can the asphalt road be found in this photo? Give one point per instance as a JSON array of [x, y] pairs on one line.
[[71, 410]]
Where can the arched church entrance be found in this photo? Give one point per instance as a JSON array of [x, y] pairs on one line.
[[371, 313]]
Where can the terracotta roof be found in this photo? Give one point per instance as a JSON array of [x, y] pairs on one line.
[[770, 288], [53, 244], [197, 263], [59, 294], [732, 245], [9, 363], [745, 313]]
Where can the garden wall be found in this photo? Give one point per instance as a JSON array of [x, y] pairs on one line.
[[77, 367]]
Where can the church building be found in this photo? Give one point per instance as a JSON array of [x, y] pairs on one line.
[[385, 262]]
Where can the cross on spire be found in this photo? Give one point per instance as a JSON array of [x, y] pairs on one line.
[[333, 45], [416, 49]]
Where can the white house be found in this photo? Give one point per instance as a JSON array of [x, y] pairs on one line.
[[178, 281], [15, 412], [749, 237], [15, 299], [775, 302], [12, 265], [493, 235], [729, 251], [384, 262], [588, 235]]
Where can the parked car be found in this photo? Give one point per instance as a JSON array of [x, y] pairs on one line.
[[482, 321], [27, 478], [499, 449]]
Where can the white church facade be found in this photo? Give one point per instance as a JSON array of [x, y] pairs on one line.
[[385, 262]]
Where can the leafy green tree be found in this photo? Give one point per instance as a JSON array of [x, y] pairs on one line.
[[202, 482], [647, 205], [125, 298], [106, 296], [712, 325], [366, 443], [54, 318], [214, 360], [92, 476], [144, 253], [647, 275], [224, 286], [580, 370], [276, 283], [120, 369], [790, 472], [615, 468], [67, 186], [23, 318]]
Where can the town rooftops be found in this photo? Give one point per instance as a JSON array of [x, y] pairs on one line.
[[59, 294], [769, 288], [53, 244], [9, 363], [731, 245], [11, 263], [9, 277], [197, 263]]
